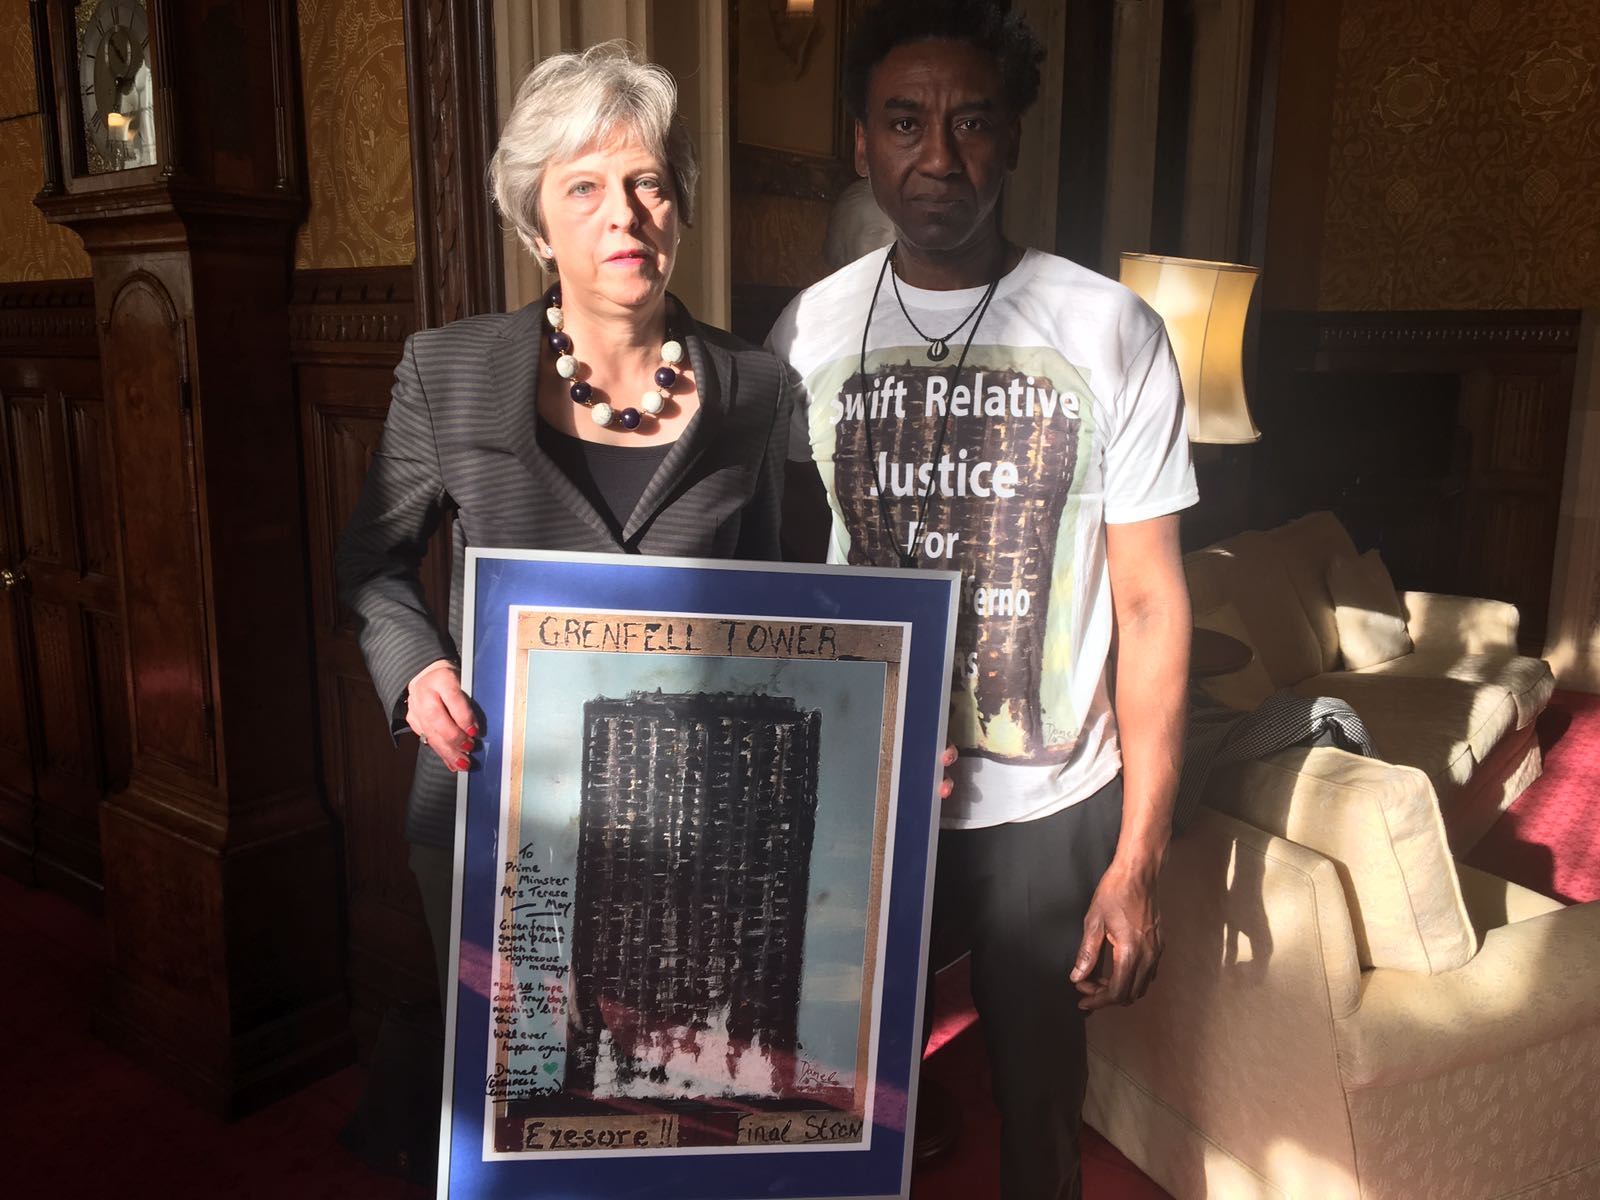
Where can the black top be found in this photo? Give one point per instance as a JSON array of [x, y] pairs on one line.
[[612, 478]]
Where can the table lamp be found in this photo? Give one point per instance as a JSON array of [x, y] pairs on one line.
[[1204, 305]]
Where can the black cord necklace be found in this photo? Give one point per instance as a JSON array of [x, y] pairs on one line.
[[919, 531], [938, 347]]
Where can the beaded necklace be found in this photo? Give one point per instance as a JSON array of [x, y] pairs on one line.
[[582, 392]]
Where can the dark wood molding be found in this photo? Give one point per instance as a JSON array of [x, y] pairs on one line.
[[54, 317], [358, 316], [165, 69], [289, 139], [450, 89], [44, 83], [1520, 330]]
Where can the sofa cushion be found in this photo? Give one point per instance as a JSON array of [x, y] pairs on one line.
[[1380, 826], [1306, 546], [1246, 572], [1528, 681], [1245, 688], [1493, 902], [1366, 609], [1444, 727]]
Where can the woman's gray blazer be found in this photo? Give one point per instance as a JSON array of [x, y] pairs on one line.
[[461, 434]]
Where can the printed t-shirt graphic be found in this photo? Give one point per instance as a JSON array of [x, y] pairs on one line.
[[997, 498], [1066, 415]]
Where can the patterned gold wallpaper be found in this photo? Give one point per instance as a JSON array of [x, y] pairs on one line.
[[30, 247], [353, 72], [16, 60], [1465, 163]]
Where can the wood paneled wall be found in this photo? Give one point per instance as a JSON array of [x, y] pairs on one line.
[[1439, 437], [347, 332], [63, 663]]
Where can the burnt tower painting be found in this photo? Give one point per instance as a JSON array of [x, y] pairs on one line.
[[696, 820]]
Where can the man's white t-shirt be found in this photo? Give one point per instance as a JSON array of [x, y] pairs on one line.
[[1067, 415]]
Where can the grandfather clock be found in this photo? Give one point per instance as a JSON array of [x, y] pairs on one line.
[[172, 132]]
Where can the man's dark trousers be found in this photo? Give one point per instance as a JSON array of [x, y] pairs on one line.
[[1016, 895]]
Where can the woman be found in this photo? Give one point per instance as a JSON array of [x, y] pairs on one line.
[[611, 421]]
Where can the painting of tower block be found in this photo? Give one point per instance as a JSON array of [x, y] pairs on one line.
[[693, 883], [697, 814]]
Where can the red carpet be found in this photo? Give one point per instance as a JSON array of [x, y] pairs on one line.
[[77, 1120], [1548, 840]]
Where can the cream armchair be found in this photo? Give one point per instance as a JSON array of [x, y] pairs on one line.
[[1342, 1011]]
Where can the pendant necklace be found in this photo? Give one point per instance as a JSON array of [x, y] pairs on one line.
[[919, 532], [938, 347], [601, 413]]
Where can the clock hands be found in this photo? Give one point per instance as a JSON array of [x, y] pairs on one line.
[[123, 57]]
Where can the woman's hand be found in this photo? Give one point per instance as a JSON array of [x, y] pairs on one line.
[[948, 760], [439, 713]]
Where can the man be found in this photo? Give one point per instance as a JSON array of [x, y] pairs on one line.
[[971, 404]]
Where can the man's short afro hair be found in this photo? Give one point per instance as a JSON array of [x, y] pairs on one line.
[[981, 23]]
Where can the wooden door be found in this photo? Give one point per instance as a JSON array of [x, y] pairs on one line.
[[19, 800], [64, 732]]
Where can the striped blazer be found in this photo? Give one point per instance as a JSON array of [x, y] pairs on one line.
[[461, 433]]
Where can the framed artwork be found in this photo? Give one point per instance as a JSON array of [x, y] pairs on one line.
[[694, 875], [787, 60]]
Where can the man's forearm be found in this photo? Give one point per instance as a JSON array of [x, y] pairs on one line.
[[1151, 682]]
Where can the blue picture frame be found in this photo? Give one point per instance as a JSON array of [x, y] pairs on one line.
[[694, 876]]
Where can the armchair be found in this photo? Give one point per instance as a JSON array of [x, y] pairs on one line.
[[1343, 1011]]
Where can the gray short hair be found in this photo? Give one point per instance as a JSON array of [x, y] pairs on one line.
[[570, 103]]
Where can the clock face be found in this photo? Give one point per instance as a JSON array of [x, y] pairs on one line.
[[116, 92]]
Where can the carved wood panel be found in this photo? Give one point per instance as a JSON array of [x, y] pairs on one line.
[[18, 792], [65, 741], [161, 551], [391, 959], [342, 439], [93, 482], [13, 718], [38, 483]]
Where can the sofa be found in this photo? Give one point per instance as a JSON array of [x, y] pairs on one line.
[[1342, 1009], [1460, 706]]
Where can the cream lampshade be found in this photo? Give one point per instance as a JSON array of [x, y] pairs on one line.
[[1204, 305]]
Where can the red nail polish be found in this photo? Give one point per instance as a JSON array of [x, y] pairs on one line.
[[462, 764], [472, 731]]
